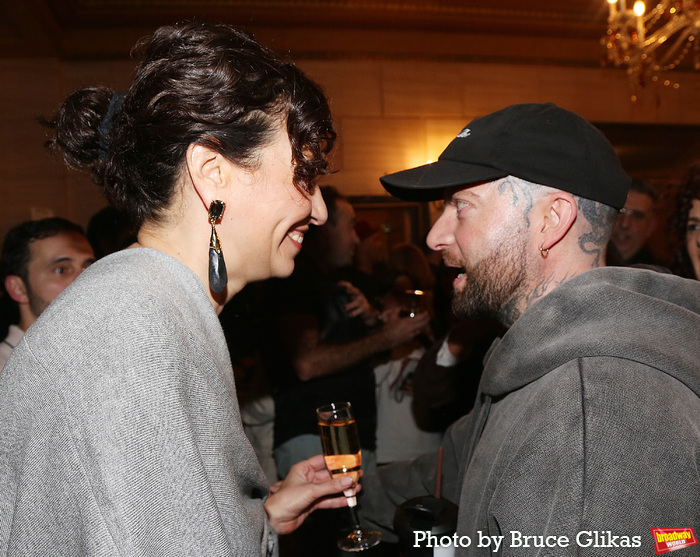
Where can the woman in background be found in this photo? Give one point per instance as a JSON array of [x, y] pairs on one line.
[[686, 226], [119, 428]]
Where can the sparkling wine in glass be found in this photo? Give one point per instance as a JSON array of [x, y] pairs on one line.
[[415, 302], [341, 451]]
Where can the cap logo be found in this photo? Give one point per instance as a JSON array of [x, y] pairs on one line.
[[466, 132]]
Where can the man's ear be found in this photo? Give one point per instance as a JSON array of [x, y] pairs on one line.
[[559, 214], [207, 170], [16, 289]]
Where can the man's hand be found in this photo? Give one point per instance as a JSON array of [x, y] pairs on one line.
[[359, 306], [313, 358], [307, 487], [398, 330]]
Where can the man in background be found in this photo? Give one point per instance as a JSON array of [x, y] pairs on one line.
[[328, 333], [634, 227], [325, 336], [39, 260]]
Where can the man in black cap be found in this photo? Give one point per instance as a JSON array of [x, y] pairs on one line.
[[586, 429]]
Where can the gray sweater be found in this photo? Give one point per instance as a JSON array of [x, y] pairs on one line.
[[119, 428], [588, 419]]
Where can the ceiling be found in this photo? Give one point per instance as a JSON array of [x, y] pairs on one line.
[[453, 29], [561, 32]]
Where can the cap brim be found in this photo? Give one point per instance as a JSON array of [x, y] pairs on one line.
[[428, 182]]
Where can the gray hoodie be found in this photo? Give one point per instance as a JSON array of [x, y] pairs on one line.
[[586, 429]]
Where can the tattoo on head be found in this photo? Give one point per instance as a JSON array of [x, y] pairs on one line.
[[515, 293], [601, 218], [524, 194]]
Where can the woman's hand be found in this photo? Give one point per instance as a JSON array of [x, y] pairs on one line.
[[307, 487]]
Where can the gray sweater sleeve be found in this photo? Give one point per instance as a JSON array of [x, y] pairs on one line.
[[126, 440]]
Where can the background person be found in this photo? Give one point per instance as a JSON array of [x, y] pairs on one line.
[[405, 429], [686, 227], [634, 226], [369, 261], [110, 230], [135, 446], [40, 258], [329, 333]]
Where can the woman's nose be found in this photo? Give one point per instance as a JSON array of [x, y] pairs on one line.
[[319, 211]]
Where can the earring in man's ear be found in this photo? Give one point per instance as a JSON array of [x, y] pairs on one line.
[[218, 277], [544, 252]]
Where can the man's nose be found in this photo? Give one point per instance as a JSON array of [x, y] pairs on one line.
[[440, 235], [624, 220]]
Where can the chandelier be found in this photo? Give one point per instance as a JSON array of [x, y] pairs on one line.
[[649, 43]]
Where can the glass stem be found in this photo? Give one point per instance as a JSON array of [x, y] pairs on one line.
[[355, 520]]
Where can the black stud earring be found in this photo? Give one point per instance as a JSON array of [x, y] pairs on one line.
[[218, 278]]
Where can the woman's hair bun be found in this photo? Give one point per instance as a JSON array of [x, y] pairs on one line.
[[77, 125], [195, 83]]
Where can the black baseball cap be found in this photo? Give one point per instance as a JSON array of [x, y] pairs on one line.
[[540, 143]]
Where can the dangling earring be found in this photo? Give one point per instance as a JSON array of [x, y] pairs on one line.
[[544, 252], [218, 278]]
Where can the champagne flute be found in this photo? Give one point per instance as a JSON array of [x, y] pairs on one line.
[[415, 302], [341, 451]]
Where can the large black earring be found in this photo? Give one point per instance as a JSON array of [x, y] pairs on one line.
[[218, 278]]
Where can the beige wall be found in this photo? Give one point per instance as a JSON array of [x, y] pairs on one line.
[[34, 184], [390, 115]]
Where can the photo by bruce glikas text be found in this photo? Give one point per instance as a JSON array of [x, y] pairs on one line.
[[516, 539]]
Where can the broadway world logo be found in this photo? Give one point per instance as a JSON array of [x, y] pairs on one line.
[[670, 539]]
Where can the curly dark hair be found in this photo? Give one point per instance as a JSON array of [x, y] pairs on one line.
[[690, 190], [207, 84]]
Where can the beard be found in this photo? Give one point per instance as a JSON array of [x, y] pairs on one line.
[[493, 283], [36, 303]]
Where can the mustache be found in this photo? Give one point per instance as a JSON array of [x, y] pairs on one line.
[[452, 260]]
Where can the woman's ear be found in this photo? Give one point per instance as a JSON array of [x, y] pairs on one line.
[[16, 289], [207, 171], [559, 214]]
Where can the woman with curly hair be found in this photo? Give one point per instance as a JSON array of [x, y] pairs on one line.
[[120, 433]]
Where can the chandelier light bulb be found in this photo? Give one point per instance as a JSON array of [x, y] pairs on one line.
[[639, 8]]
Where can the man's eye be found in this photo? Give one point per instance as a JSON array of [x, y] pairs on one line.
[[461, 204], [634, 214]]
